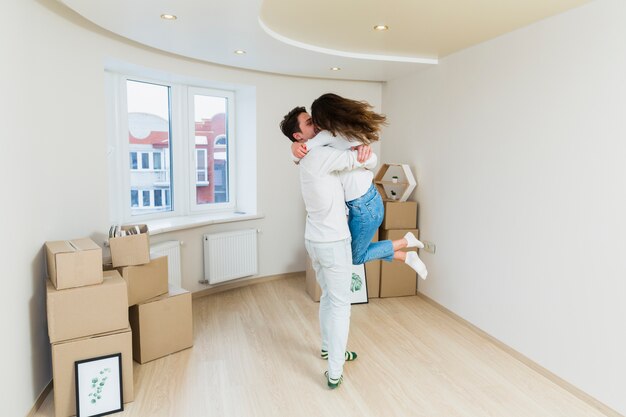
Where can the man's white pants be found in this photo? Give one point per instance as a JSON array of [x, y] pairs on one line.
[[332, 262]]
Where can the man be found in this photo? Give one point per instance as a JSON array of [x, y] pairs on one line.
[[327, 237]]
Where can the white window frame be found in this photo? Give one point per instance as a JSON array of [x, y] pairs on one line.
[[230, 156], [181, 150]]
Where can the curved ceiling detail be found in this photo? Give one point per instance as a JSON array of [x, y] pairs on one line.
[[309, 39], [416, 28], [356, 55]]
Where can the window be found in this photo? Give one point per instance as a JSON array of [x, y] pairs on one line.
[[211, 119], [176, 143], [156, 160], [201, 168], [134, 198]]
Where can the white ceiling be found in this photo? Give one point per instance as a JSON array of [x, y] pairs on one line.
[[307, 38]]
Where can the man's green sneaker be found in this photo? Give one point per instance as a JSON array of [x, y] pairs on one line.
[[333, 383], [349, 356]]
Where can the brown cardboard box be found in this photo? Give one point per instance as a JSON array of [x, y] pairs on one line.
[[74, 263], [398, 234], [145, 281], [396, 278], [400, 215], [64, 354], [132, 249], [84, 311], [162, 325], [372, 276]]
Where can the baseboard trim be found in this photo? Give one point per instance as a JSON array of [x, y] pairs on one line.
[[244, 283], [42, 397], [577, 392]]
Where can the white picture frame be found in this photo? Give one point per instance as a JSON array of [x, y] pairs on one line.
[[358, 286], [99, 386]]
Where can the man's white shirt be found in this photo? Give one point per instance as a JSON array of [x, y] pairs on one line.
[[323, 193]]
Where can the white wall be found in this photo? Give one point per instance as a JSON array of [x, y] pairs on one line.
[[519, 147], [53, 164]]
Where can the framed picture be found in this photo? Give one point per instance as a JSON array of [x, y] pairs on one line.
[[358, 287], [99, 386]]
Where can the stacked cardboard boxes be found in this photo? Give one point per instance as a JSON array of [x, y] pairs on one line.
[[87, 317], [88, 309], [396, 278], [372, 278], [160, 316]]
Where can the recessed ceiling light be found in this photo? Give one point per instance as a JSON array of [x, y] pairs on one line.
[[381, 27], [166, 16], [335, 69], [240, 51]]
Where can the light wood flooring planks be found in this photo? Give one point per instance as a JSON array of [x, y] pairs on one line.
[[256, 353]]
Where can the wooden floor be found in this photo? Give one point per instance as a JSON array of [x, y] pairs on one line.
[[256, 353]]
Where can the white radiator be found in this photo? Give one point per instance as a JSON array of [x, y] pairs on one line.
[[230, 255], [171, 249]]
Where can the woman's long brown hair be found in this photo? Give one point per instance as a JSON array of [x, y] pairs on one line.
[[351, 118]]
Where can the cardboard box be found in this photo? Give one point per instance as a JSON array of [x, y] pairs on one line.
[[74, 263], [372, 275], [89, 310], [162, 325], [399, 234], [145, 281], [400, 215], [64, 354], [396, 278], [132, 249]]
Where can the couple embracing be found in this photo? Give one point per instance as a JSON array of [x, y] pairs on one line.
[[335, 163]]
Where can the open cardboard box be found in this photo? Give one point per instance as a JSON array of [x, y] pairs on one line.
[[131, 249]]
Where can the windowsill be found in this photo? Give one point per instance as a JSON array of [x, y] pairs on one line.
[[171, 224]]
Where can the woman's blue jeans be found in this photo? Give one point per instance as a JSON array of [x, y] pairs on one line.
[[365, 214]]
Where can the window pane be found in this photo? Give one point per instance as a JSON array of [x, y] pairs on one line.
[[156, 160], [146, 198], [134, 198], [211, 120], [149, 132], [157, 198], [201, 159]]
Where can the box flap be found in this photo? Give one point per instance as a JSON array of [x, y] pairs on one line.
[[84, 244], [60, 246]]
